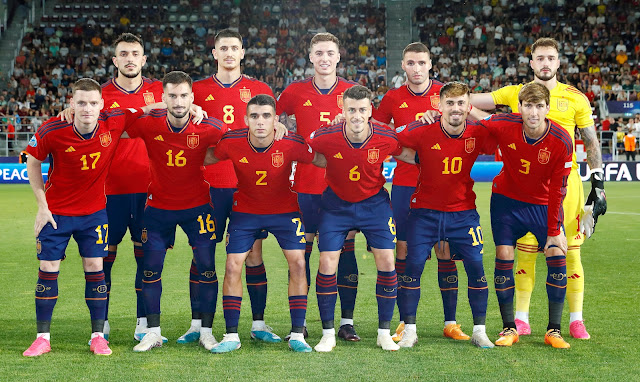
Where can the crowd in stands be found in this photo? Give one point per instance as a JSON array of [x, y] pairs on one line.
[[483, 43]]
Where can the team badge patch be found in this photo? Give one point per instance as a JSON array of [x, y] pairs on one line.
[[469, 145], [339, 100], [277, 159], [245, 95], [193, 140], [563, 104], [105, 139], [148, 98], [33, 142], [144, 237], [38, 246], [543, 156], [373, 155], [435, 101]]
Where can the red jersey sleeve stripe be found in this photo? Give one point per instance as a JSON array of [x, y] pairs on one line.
[[213, 122], [509, 117], [43, 133], [416, 124], [295, 138], [562, 134]]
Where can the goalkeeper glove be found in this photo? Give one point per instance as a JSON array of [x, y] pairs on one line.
[[597, 197]]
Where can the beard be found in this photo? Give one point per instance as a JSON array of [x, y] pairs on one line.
[[130, 75], [545, 77], [178, 115]]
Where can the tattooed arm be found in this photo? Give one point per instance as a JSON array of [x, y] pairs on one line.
[[592, 147]]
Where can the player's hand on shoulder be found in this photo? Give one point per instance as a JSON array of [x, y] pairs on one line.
[[43, 217], [429, 116], [66, 115], [281, 130], [197, 114], [338, 119]]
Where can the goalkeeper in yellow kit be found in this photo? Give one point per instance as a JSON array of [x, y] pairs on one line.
[[569, 108]]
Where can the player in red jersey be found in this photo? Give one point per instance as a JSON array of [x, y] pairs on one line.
[[527, 197], [72, 203], [224, 96], [315, 102], [264, 201], [128, 178], [178, 195], [404, 105], [446, 221], [356, 199]]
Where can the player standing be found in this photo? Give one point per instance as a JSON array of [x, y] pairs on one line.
[[356, 199], [570, 109], [224, 96], [527, 196], [315, 102], [404, 105], [446, 221], [128, 177], [264, 201], [74, 205], [178, 195]]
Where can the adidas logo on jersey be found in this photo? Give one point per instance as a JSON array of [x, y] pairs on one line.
[[436, 147], [70, 150], [243, 160], [338, 156], [574, 276], [404, 105], [521, 272], [512, 146], [303, 240], [114, 105], [308, 103], [210, 98], [159, 138]]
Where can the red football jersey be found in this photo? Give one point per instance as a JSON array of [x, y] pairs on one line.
[[176, 158], [79, 165], [227, 103], [129, 172], [403, 106], [534, 172], [445, 182], [355, 174], [263, 177], [313, 108]]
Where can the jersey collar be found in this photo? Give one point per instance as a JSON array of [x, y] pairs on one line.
[[364, 143], [325, 91], [543, 136], [173, 129], [217, 82], [125, 91], [264, 149], [81, 136], [444, 131], [423, 93]]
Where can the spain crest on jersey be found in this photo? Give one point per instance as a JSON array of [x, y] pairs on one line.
[[435, 101], [563, 104], [144, 236], [469, 145], [339, 101], [193, 140], [245, 95], [277, 159], [373, 155], [148, 98], [543, 156], [105, 139]]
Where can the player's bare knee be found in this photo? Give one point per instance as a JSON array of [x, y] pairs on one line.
[[50, 266], [553, 251], [92, 264], [505, 252], [384, 259]]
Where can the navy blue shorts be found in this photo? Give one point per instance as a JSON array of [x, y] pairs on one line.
[[460, 229], [245, 228], [125, 211], [400, 201], [310, 205], [511, 219], [160, 227], [372, 216], [90, 232], [222, 199]]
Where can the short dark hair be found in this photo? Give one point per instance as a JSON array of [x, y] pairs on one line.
[[545, 42], [228, 33], [357, 93], [128, 37], [262, 100], [87, 85], [416, 47], [176, 78]]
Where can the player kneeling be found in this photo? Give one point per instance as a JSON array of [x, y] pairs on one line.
[[264, 201]]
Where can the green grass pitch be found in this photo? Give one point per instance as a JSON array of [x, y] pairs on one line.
[[612, 297]]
